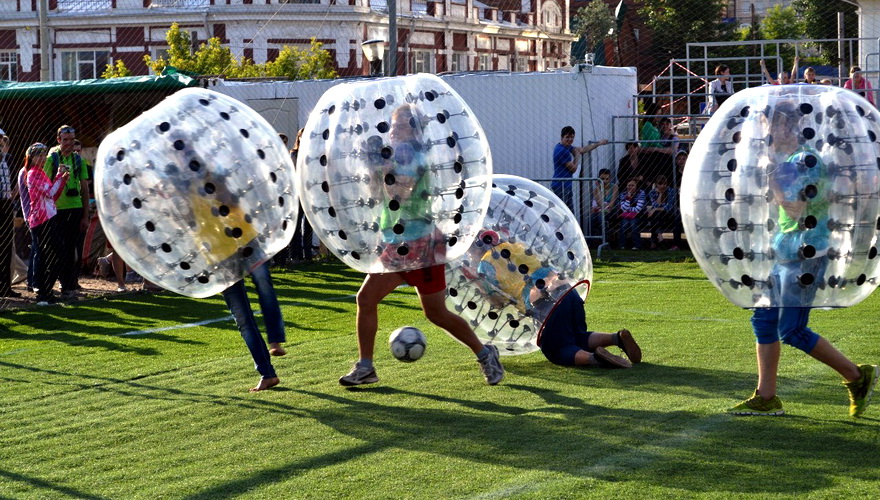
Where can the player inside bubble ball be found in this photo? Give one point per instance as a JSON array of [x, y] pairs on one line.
[[406, 179], [511, 276], [796, 177]]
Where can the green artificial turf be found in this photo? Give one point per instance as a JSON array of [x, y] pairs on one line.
[[90, 410]]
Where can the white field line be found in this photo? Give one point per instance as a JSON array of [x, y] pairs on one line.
[[214, 320]]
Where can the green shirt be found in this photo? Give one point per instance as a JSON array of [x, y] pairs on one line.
[[67, 201]]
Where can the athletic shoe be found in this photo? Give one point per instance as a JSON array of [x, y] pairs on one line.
[[491, 366], [860, 390], [628, 344], [607, 360], [756, 405], [121, 289], [359, 376]]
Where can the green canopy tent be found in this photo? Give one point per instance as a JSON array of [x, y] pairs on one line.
[[32, 111]]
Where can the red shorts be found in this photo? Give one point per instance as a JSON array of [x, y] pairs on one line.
[[427, 280]]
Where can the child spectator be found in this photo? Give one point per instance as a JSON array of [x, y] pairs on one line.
[[632, 201]]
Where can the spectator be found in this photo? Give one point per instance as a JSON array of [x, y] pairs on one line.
[[659, 158], [784, 78], [826, 81], [566, 159], [42, 219], [604, 204], [301, 246], [72, 205], [25, 213], [632, 201], [810, 76], [662, 213], [859, 84], [681, 159], [629, 165], [719, 89], [7, 209]]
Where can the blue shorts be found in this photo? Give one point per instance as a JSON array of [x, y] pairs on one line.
[[565, 331]]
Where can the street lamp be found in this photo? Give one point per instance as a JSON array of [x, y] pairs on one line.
[[374, 50]]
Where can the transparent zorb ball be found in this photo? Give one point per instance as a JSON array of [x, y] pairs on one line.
[[196, 192], [779, 197], [528, 254], [394, 173]]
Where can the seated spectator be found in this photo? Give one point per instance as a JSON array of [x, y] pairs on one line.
[[719, 89], [658, 159], [681, 159], [629, 165], [662, 213], [858, 84], [604, 203], [632, 201]]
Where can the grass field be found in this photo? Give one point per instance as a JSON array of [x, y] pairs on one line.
[[145, 397]]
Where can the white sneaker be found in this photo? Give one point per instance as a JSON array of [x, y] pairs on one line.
[[359, 376], [491, 366]]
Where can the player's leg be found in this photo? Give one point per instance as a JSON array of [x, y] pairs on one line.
[[374, 288], [434, 306], [765, 322], [271, 310], [237, 301]]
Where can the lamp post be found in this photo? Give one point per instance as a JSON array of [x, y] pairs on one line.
[[374, 50]]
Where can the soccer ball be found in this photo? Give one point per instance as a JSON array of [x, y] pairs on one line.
[[407, 343]]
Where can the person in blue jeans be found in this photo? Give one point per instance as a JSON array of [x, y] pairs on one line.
[[240, 307]]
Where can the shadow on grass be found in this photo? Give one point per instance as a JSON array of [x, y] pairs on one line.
[[571, 437], [668, 449]]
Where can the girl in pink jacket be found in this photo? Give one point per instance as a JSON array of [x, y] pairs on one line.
[[43, 193]]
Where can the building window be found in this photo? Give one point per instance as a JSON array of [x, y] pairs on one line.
[[84, 5], [9, 66], [485, 62], [458, 62], [522, 64], [84, 64], [422, 61], [181, 4]]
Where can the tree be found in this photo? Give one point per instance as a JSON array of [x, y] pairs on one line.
[[212, 58], [118, 71], [593, 23], [677, 22], [820, 20], [782, 24]]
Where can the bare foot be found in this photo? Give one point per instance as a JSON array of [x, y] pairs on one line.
[[266, 383], [275, 349]]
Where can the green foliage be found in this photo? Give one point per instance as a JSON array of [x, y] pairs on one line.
[[212, 58], [782, 23], [593, 23], [820, 21], [90, 412], [116, 71], [677, 22]]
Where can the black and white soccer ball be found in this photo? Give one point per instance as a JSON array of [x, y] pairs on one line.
[[408, 343]]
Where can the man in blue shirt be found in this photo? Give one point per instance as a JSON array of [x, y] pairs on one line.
[[566, 158]]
